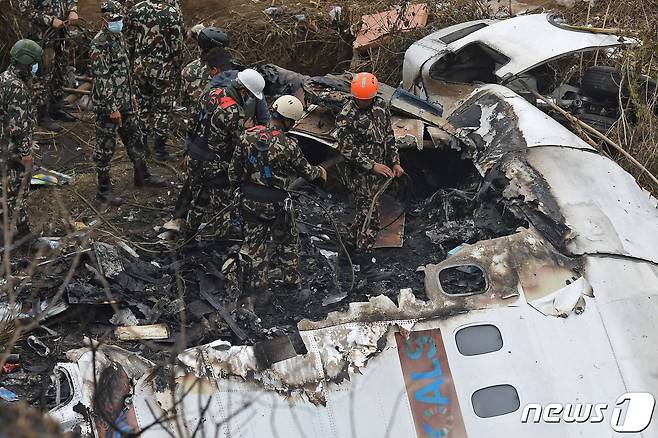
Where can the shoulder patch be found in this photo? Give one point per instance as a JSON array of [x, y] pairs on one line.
[[255, 129], [217, 98]]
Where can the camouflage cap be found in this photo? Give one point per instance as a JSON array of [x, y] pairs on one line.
[[26, 52], [111, 9]]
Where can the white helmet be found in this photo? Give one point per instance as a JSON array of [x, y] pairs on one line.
[[252, 81], [289, 107]]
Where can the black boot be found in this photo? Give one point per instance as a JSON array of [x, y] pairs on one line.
[[57, 112], [160, 149], [145, 143], [105, 193], [144, 178], [46, 121]]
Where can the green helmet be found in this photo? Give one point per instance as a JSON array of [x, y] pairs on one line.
[[26, 52]]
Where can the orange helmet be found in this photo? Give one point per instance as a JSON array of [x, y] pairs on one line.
[[364, 86]]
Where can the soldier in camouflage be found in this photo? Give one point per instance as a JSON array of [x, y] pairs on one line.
[[212, 139], [365, 137], [212, 41], [115, 105], [195, 76], [17, 124], [195, 79], [262, 166], [155, 36], [48, 26]]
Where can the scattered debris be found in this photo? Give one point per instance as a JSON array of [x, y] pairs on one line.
[[124, 246], [374, 28], [173, 225], [8, 368], [46, 177], [155, 331], [38, 346], [206, 290], [109, 260], [124, 317], [7, 395], [272, 351], [392, 217]]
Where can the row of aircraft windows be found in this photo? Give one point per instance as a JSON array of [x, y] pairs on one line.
[[492, 401]]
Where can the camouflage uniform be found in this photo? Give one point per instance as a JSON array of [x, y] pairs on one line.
[[55, 63], [17, 124], [266, 160], [219, 124], [155, 32], [365, 137], [126, 5], [194, 86], [195, 78], [113, 91]]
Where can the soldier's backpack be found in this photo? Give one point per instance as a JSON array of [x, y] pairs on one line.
[[197, 144], [258, 192]]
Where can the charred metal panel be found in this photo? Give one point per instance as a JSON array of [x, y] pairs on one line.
[[491, 125], [408, 132], [524, 260], [528, 195]]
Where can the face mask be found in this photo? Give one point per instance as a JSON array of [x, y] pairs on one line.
[[35, 69], [115, 26]]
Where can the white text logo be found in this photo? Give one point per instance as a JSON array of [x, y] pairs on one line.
[[632, 412]]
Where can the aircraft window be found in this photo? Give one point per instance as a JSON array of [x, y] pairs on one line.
[[463, 280], [495, 401], [479, 339], [474, 62]]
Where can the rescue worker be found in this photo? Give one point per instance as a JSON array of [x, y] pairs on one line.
[[115, 105], [195, 79], [48, 26], [365, 138], [225, 77], [17, 124], [195, 76], [216, 132], [155, 41], [262, 166]]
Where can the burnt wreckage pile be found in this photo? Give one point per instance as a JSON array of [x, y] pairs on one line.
[[176, 292]]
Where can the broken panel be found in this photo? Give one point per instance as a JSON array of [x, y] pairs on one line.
[[408, 132], [375, 27], [510, 263], [392, 220]]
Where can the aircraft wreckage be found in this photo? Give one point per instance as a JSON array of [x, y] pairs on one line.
[[561, 309]]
